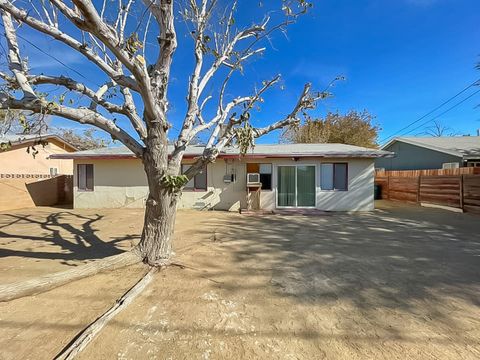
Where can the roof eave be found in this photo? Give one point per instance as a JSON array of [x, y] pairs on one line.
[[92, 156], [311, 155], [471, 157], [227, 156], [31, 140]]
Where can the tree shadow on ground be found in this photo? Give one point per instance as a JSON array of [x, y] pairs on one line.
[[73, 234], [387, 259]]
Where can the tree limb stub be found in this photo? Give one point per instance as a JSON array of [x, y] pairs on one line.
[[51, 281], [81, 341]]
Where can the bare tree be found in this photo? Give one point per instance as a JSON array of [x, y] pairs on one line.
[[438, 130], [82, 140], [20, 122], [99, 32]]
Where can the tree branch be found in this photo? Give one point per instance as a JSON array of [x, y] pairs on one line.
[[219, 119], [94, 24], [245, 114], [128, 108], [193, 90], [80, 115], [78, 87], [131, 112], [22, 16], [227, 52], [305, 102], [163, 12], [15, 62]]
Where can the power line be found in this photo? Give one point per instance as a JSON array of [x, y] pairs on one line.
[[385, 139], [443, 113]]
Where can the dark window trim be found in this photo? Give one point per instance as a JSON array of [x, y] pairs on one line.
[[346, 176], [195, 188], [78, 178], [334, 168], [271, 175]]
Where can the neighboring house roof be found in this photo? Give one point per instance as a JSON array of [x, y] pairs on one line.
[[25, 139], [467, 147], [260, 151]]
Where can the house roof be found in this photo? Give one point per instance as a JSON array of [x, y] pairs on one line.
[[19, 139], [260, 151], [467, 147]]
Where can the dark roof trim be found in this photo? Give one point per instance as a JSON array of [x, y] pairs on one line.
[[42, 137], [222, 156]]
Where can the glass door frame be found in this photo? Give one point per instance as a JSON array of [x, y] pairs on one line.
[[296, 186]]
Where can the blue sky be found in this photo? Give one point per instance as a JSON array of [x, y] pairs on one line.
[[401, 58]]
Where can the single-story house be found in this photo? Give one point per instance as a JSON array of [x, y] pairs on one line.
[[29, 176], [416, 153], [332, 177], [30, 155]]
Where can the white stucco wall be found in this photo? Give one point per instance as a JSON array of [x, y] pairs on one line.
[[117, 183], [122, 183], [359, 197]]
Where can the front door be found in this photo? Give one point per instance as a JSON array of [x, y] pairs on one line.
[[296, 186]]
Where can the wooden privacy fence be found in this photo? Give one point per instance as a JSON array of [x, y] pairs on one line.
[[457, 188]]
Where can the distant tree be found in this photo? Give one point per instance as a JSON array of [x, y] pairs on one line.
[[21, 122], [85, 140], [6, 122], [438, 129], [353, 128], [195, 141]]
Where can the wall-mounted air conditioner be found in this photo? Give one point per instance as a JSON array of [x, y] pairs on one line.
[[452, 165], [253, 179]]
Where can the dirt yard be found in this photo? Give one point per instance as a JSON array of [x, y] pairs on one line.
[[399, 283]]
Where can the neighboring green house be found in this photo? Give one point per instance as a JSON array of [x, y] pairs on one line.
[[416, 153]]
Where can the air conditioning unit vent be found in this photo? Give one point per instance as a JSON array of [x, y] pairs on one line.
[[253, 179]]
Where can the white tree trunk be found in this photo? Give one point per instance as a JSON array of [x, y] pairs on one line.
[[155, 245]]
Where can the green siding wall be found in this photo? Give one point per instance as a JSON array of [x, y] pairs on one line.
[[411, 157]]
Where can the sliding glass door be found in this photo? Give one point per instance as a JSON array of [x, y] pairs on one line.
[[306, 186], [286, 186], [296, 186]]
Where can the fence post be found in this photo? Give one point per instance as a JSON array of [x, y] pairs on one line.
[[388, 186], [418, 187], [461, 192]]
